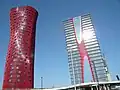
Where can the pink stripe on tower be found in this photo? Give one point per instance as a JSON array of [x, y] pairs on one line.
[[83, 53]]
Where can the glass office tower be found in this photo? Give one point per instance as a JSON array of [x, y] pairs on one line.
[[19, 67], [82, 44]]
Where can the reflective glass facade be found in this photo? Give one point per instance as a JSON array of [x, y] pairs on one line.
[[81, 42]]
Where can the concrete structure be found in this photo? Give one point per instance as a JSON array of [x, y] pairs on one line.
[[82, 44], [19, 67], [112, 85]]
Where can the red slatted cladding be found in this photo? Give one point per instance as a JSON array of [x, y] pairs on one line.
[[19, 68]]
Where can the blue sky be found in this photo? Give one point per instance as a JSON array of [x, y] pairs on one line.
[[51, 56]]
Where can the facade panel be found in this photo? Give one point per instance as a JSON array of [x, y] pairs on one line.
[[86, 44]]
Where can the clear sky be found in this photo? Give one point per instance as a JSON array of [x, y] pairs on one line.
[[51, 56]]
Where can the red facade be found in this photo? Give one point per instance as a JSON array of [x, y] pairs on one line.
[[83, 53], [19, 67]]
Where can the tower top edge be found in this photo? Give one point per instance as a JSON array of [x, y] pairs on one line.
[[23, 7], [76, 17]]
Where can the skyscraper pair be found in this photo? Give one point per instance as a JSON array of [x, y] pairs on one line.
[[80, 39]]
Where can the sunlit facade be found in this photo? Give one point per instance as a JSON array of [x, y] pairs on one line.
[[19, 67], [82, 43]]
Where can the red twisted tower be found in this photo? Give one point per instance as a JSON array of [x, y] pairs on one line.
[[19, 68]]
